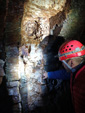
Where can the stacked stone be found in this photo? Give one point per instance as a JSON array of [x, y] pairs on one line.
[[12, 75]]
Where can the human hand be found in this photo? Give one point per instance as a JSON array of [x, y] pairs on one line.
[[45, 75]]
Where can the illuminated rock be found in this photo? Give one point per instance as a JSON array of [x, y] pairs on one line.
[[36, 22]]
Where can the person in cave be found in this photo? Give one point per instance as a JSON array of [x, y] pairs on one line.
[[56, 77], [72, 55]]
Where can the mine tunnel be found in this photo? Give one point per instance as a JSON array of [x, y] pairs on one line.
[[31, 32]]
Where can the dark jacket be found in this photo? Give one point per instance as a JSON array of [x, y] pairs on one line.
[[77, 85]]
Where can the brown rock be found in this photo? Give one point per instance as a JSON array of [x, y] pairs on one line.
[[1, 79]]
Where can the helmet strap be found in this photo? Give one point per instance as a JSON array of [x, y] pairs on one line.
[[72, 69]]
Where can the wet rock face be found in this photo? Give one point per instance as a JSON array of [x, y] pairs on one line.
[[34, 31], [37, 19], [73, 26], [10, 21]]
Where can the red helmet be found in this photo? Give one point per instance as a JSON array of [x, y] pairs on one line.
[[71, 49]]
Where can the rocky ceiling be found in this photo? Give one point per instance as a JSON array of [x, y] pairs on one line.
[[30, 21]]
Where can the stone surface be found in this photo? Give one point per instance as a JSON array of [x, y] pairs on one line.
[[12, 63], [73, 26], [13, 91], [1, 63], [38, 19], [16, 99], [13, 84], [17, 108], [1, 79], [28, 50], [10, 19], [2, 73]]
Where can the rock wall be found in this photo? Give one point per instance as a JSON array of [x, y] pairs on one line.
[[12, 75], [38, 19], [31, 67], [1, 70], [37, 23], [73, 25], [28, 44]]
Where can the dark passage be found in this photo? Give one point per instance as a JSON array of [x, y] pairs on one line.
[[5, 100]]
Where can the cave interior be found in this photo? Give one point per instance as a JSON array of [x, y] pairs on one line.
[[31, 32]]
